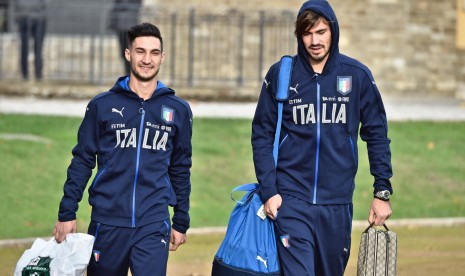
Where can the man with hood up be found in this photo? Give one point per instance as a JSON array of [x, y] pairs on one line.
[[332, 99], [139, 134]]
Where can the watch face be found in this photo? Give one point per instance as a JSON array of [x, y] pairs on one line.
[[383, 194]]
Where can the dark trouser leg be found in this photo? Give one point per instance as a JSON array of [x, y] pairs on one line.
[[333, 237], [24, 31], [149, 254], [110, 254], [40, 26]]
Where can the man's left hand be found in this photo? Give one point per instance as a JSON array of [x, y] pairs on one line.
[[177, 239]]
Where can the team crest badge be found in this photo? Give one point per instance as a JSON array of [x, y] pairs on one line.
[[344, 85], [96, 255], [285, 241], [167, 114]]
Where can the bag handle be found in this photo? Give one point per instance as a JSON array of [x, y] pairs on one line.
[[251, 187], [388, 238], [373, 224]]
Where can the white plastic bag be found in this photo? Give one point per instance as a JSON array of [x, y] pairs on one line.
[[69, 258]]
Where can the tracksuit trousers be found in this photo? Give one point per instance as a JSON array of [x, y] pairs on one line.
[[144, 250], [313, 239]]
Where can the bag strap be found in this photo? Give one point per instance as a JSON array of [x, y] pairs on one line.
[[282, 94], [285, 72]]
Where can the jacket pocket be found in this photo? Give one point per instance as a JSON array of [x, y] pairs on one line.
[[93, 230], [284, 139], [97, 177], [171, 194], [354, 152], [168, 227]]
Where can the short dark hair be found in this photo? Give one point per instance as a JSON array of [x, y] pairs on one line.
[[144, 29], [307, 20]]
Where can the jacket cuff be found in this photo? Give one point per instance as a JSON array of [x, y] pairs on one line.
[[179, 228], [266, 193], [382, 185], [181, 221], [65, 219]]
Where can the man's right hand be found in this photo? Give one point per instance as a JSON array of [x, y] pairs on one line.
[[64, 228], [272, 205]]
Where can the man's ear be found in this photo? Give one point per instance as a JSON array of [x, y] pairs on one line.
[[127, 55], [163, 56]]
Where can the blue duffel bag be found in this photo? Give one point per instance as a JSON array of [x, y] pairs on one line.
[[249, 246]]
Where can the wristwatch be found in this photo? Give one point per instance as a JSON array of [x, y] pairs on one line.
[[383, 195]]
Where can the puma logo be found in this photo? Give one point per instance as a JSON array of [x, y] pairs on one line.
[[117, 111], [294, 89], [259, 258], [266, 83], [163, 241]]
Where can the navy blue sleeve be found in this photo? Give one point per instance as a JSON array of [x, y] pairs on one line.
[[82, 164], [374, 131], [263, 132], [179, 172]]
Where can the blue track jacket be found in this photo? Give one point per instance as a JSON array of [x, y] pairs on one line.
[[318, 156], [143, 151]]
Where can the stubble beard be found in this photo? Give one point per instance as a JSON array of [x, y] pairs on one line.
[[144, 78], [318, 58]]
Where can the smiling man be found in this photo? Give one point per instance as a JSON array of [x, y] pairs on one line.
[[332, 100], [139, 134]]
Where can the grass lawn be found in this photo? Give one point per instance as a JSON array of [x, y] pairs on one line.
[[35, 151], [421, 251]]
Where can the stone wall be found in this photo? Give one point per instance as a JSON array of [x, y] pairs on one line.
[[244, 5], [409, 45]]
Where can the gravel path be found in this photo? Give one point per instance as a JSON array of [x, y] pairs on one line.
[[397, 108]]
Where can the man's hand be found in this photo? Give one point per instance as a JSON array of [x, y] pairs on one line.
[[177, 239], [64, 228], [272, 205], [380, 211]]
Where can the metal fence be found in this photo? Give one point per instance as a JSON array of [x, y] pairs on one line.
[[204, 48]]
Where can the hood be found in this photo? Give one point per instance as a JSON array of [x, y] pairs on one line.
[[122, 86], [322, 7]]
